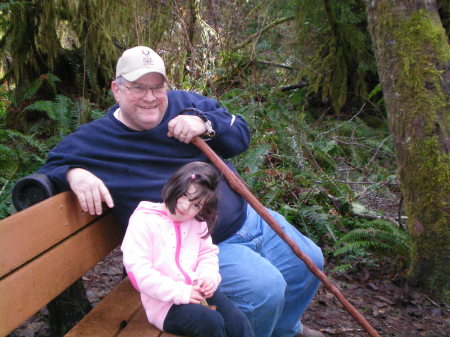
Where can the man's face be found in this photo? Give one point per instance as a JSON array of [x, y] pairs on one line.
[[141, 109]]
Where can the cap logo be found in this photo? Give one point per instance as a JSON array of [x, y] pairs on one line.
[[146, 60]]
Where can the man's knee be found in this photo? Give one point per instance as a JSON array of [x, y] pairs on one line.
[[316, 256], [270, 289]]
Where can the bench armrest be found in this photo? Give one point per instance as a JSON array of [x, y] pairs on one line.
[[32, 189]]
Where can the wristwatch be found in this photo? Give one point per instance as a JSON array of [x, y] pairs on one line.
[[209, 128]]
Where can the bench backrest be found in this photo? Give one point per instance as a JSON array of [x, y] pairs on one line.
[[44, 249]]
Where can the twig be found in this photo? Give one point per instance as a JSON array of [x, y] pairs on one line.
[[399, 215], [436, 304], [349, 182], [378, 149], [364, 194], [262, 31], [4, 186], [337, 203], [279, 65], [338, 126], [293, 86], [376, 217], [362, 145], [339, 330]]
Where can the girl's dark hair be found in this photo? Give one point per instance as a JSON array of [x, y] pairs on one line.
[[203, 176]]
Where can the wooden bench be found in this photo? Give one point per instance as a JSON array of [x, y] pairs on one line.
[[47, 247]]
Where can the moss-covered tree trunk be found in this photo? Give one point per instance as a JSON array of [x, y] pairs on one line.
[[413, 60]]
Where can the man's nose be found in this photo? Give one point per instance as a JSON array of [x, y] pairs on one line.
[[149, 96]]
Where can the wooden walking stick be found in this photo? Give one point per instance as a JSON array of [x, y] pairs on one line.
[[237, 185]]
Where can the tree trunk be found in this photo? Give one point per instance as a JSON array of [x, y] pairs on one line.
[[413, 60]]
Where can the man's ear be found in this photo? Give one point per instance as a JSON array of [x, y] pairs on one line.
[[115, 90]]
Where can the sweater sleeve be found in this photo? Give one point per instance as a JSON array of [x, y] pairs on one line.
[[138, 260], [232, 133], [208, 261]]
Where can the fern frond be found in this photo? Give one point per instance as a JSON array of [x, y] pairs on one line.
[[51, 79], [32, 89], [21, 141], [380, 237], [45, 106], [62, 107]]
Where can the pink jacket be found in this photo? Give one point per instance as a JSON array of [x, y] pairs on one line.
[[164, 258]]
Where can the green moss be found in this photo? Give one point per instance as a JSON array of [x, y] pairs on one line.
[[419, 119]]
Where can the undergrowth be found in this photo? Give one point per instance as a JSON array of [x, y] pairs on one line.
[[23, 149], [321, 174]]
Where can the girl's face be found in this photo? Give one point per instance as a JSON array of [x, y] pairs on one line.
[[187, 206]]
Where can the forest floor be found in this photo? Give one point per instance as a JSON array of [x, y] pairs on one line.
[[385, 301], [381, 296]]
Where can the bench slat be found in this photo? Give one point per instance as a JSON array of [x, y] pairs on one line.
[[111, 314], [28, 289], [119, 314], [30, 232], [139, 327]]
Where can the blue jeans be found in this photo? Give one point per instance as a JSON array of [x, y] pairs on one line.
[[265, 279]]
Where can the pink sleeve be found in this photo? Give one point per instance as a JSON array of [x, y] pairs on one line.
[[208, 261]]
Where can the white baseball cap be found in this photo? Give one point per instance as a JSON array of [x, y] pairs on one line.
[[138, 61]]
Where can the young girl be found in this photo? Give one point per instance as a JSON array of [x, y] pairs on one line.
[[171, 260]]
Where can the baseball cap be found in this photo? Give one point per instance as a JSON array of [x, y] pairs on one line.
[[138, 61]]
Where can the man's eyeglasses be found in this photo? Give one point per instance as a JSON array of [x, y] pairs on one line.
[[139, 91]]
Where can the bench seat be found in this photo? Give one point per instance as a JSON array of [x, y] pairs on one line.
[[119, 314], [47, 247]]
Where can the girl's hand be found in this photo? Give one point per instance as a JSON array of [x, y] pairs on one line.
[[196, 296], [206, 287]]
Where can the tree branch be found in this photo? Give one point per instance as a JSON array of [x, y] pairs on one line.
[[279, 65], [262, 31]]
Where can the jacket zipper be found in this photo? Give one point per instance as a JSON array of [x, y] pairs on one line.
[[177, 252]]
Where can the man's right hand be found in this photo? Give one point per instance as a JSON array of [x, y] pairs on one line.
[[90, 190]]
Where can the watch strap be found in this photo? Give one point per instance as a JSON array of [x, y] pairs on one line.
[[210, 132]]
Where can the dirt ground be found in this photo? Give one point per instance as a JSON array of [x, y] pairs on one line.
[[384, 300]]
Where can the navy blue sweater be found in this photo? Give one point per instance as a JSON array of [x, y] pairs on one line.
[[135, 165]]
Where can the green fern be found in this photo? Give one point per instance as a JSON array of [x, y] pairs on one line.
[[250, 164], [46, 106], [21, 148], [321, 222], [379, 237], [62, 111], [34, 86], [20, 155]]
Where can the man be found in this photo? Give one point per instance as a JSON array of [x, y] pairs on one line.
[[128, 155]]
